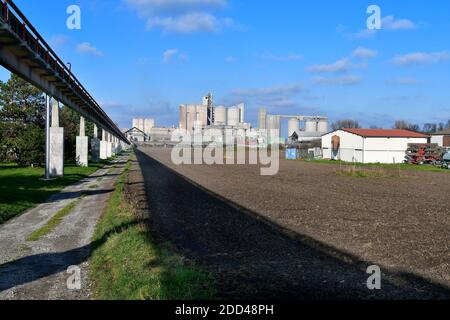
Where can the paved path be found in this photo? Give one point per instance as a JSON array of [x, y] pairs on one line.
[[38, 270]]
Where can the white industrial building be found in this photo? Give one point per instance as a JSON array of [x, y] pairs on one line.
[[201, 116], [369, 145], [441, 138], [145, 125], [144, 130], [313, 127]]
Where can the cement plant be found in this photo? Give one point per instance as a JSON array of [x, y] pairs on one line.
[[209, 159]]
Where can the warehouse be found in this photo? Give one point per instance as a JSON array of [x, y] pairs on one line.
[[369, 145]]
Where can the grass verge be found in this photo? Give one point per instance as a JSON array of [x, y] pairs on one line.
[[126, 264], [54, 221], [401, 166], [362, 172], [21, 187]]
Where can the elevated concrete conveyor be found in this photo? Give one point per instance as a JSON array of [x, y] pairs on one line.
[[24, 52]]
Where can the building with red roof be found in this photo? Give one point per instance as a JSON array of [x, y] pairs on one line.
[[441, 138], [370, 145]]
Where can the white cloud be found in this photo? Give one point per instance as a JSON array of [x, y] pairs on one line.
[[364, 53], [363, 34], [87, 48], [390, 23], [387, 23], [421, 58], [339, 66], [276, 96], [171, 55], [173, 7], [189, 23], [182, 16], [340, 81]]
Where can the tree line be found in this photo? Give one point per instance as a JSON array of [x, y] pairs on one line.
[[22, 124], [399, 124]]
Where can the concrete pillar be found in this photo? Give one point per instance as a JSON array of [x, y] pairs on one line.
[[108, 145], [118, 145], [95, 146], [111, 141], [103, 146], [55, 113], [82, 148], [56, 165]]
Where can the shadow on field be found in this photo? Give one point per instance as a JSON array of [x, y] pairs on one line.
[[253, 258]]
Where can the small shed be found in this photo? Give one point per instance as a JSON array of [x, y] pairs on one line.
[[369, 145], [136, 135], [441, 138]]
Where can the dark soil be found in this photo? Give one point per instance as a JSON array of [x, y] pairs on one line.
[[306, 233]]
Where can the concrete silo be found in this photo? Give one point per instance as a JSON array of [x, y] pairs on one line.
[[241, 108], [141, 125], [262, 118], [293, 126], [149, 124], [220, 116], [233, 116], [310, 125], [202, 115], [322, 126], [191, 117], [183, 117]]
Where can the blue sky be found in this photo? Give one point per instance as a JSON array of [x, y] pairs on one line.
[[142, 58]]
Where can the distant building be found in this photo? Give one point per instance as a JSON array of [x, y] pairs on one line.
[[161, 134], [145, 125], [442, 138], [369, 145], [144, 130], [201, 116], [136, 135]]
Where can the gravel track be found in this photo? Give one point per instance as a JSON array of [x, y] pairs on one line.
[[37, 270]]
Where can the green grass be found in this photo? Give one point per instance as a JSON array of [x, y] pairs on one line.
[[112, 169], [53, 222], [21, 188], [402, 166], [368, 172], [126, 264]]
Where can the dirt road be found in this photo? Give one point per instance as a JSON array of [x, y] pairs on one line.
[[38, 270], [305, 233]]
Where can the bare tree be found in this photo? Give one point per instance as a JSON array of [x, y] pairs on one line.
[[430, 127], [405, 125], [345, 124]]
